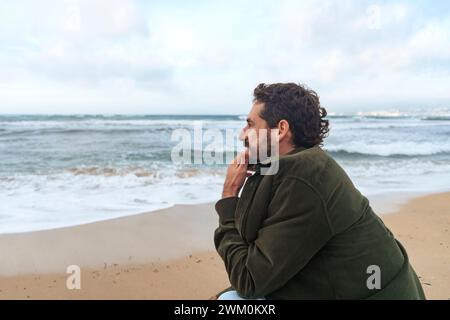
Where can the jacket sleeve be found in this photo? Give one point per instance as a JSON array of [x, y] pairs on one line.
[[296, 228]]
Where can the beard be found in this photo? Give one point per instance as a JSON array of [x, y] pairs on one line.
[[262, 151]]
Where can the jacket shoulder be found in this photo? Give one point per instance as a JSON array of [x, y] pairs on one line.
[[307, 165]]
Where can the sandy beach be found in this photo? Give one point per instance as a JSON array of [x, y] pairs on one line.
[[169, 254]]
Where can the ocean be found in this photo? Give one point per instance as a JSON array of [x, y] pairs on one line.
[[63, 170]]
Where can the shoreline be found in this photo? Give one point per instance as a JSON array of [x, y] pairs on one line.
[[383, 203], [169, 254]]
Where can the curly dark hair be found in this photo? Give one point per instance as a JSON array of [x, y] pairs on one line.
[[299, 106]]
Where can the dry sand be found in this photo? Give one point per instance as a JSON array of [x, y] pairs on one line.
[[169, 254], [423, 226]]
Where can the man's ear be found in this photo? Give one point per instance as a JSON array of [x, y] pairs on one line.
[[283, 129]]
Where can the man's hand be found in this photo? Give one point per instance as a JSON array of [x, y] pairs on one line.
[[236, 175]]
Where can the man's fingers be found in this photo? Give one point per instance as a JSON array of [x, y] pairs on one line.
[[246, 155], [242, 158], [238, 159]]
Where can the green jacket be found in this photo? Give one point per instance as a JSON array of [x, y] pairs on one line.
[[308, 233]]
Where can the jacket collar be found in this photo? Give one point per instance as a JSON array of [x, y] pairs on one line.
[[268, 162], [295, 150]]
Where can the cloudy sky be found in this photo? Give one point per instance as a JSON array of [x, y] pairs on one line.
[[124, 56]]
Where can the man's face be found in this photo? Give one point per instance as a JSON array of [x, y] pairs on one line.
[[256, 134]]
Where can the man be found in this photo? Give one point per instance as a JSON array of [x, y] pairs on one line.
[[304, 232]]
